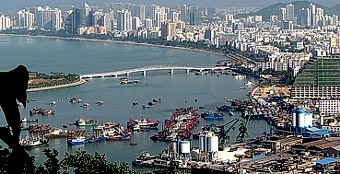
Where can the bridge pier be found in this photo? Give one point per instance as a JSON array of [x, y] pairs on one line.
[[115, 75], [127, 74], [171, 71], [144, 73], [201, 70], [187, 70]]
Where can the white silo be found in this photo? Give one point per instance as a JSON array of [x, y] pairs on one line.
[[301, 118], [294, 118], [202, 142], [184, 147], [174, 146], [308, 120], [214, 143]]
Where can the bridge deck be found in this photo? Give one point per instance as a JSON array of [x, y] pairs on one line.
[[152, 68]]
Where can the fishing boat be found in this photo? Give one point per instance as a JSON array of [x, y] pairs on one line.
[[86, 105], [56, 133], [239, 76], [212, 116], [249, 83], [84, 122], [99, 102], [114, 131], [25, 120], [231, 113], [33, 141], [224, 108], [77, 141], [144, 124], [75, 100]]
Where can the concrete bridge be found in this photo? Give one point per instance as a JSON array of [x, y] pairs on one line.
[[144, 70]]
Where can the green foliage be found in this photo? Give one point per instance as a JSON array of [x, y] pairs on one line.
[[80, 162]]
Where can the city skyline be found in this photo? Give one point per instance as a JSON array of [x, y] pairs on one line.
[[16, 4]]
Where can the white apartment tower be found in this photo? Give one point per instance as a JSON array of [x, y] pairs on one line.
[[135, 23], [5, 22], [148, 23], [283, 14], [290, 12], [124, 20], [138, 11], [312, 8], [25, 19], [56, 19]]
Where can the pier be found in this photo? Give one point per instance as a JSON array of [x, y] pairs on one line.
[[144, 70]]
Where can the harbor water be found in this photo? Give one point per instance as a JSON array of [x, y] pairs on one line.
[[83, 57]]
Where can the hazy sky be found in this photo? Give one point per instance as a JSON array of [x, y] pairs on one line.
[[15, 4]]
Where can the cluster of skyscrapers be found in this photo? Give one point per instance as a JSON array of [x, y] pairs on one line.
[[311, 17]]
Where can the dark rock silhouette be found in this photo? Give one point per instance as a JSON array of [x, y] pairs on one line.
[[13, 87]]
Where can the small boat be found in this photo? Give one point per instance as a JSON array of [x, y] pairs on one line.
[[133, 144], [99, 102], [75, 100], [249, 83], [86, 105], [212, 116], [145, 106], [52, 103], [84, 122], [224, 108], [239, 76], [134, 103], [231, 113], [25, 120]]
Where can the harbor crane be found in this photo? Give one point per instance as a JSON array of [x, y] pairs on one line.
[[243, 131]]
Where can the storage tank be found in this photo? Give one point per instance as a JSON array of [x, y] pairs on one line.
[[184, 147], [301, 118], [294, 118], [201, 142], [308, 119], [208, 147], [214, 144], [174, 146]]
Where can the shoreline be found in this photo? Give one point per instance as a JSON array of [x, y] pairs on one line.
[[114, 41], [78, 83]]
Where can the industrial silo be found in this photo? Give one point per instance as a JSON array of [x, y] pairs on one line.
[[184, 147]]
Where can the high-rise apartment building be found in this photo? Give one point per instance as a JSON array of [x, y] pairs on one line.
[[168, 29], [25, 19], [5, 22], [290, 12], [124, 20], [319, 79]]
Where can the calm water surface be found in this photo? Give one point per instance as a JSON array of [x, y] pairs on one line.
[[82, 57]]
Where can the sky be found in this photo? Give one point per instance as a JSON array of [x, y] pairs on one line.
[[17, 4]]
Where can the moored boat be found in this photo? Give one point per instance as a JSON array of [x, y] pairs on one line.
[[143, 124], [224, 108], [212, 116], [33, 141], [85, 122]]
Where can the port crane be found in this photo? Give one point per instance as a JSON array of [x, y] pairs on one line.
[[243, 131]]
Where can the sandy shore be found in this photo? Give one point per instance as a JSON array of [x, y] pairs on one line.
[[114, 41], [80, 82]]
